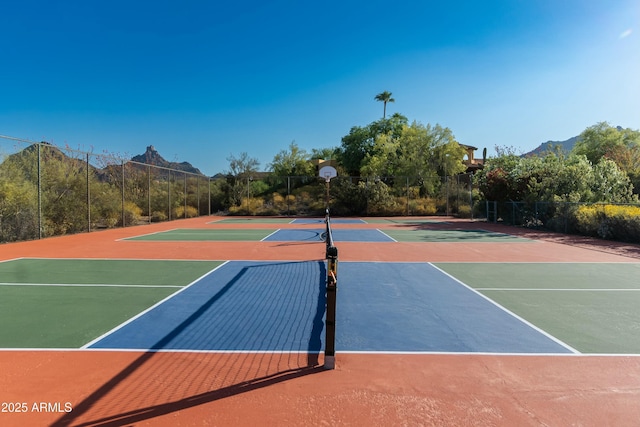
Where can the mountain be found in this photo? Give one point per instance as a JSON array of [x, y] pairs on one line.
[[565, 146], [152, 157]]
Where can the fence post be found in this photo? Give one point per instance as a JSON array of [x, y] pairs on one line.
[[123, 224], [446, 182], [288, 193], [408, 210], [149, 192], [88, 198], [39, 194], [470, 177]]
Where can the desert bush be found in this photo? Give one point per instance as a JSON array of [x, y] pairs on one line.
[[159, 216], [179, 212], [614, 222], [423, 206], [132, 213], [464, 211], [250, 206]]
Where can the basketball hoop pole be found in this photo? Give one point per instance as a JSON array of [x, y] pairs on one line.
[[327, 180]]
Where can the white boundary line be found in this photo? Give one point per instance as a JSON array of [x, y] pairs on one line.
[[121, 259], [90, 285], [364, 353], [385, 234], [561, 289], [531, 325], [150, 308], [12, 259], [270, 234], [147, 234], [466, 353], [538, 262]]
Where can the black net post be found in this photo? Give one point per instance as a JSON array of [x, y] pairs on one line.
[[332, 287]]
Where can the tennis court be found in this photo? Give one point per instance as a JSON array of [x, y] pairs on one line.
[[439, 322]]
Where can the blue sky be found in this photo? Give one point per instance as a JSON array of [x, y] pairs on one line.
[[203, 80]]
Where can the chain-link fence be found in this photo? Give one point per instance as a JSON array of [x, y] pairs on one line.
[[389, 196], [47, 190]]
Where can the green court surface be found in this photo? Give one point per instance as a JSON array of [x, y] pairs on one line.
[[46, 303], [403, 221], [435, 236], [101, 271], [257, 220], [206, 235], [591, 307]]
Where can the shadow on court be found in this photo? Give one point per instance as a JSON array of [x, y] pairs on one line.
[[161, 382]]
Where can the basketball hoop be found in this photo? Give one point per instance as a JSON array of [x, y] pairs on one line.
[[328, 172]]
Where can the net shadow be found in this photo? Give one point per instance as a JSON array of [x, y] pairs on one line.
[[160, 382]]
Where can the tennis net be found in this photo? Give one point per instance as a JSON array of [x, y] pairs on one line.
[[331, 255]]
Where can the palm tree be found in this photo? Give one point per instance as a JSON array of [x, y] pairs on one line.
[[384, 97]]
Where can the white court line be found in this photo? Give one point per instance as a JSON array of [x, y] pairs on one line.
[[142, 313], [89, 285], [531, 325], [12, 259], [286, 352], [385, 234], [266, 237], [484, 353], [560, 289], [145, 235]]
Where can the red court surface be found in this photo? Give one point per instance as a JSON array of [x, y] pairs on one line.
[[113, 388]]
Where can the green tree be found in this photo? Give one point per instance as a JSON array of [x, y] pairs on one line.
[[628, 160], [323, 153], [240, 173], [18, 199], [603, 140], [384, 97], [421, 152], [610, 184], [496, 181], [291, 162], [361, 140], [554, 177], [243, 165]]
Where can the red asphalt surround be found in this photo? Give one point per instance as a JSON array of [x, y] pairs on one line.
[[184, 389]]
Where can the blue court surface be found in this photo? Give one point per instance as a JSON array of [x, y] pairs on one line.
[[339, 235], [279, 306], [333, 221]]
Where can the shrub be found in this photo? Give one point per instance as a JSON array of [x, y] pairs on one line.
[[464, 211], [616, 222], [132, 213], [423, 206], [158, 216], [588, 220], [250, 206], [179, 212]]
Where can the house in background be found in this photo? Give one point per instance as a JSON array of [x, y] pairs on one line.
[[470, 161]]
